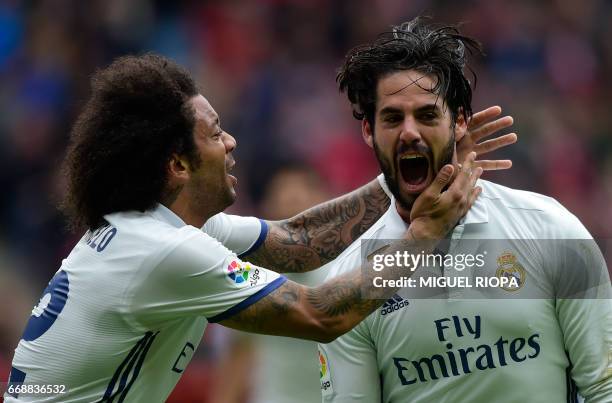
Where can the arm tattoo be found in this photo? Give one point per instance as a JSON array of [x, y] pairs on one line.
[[318, 235], [340, 298], [285, 300], [333, 300], [353, 294], [329, 310], [268, 311], [291, 309]]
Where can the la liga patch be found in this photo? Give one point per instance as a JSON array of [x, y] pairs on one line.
[[238, 272], [324, 374]]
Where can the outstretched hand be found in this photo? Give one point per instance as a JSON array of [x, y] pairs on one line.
[[480, 126]]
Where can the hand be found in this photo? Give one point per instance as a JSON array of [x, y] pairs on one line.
[[435, 212], [481, 126]]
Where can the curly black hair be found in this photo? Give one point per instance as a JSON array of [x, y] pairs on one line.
[[436, 50], [136, 117]]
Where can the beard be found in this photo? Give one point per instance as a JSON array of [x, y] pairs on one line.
[[210, 196], [391, 171]]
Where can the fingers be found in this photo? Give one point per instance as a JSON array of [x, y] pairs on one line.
[[473, 191], [475, 176], [482, 116], [495, 144], [465, 171], [467, 177], [473, 196], [487, 129], [460, 193], [493, 165], [442, 179]]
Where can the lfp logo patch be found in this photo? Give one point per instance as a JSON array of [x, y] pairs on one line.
[[238, 272], [324, 375], [322, 365]]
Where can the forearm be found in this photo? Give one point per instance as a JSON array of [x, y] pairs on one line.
[[318, 235], [328, 311], [340, 304]]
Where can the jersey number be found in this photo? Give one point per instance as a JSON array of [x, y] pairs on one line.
[[44, 314], [49, 307]]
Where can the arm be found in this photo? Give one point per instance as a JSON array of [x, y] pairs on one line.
[[318, 235], [587, 333], [584, 311], [325, 312]]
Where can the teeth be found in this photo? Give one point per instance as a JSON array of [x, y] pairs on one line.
[[411, 157]]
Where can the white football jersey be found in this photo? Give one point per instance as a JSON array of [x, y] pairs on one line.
[[518, 343], [123, 315]]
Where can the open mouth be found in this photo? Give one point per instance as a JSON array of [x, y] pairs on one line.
[[414, 169], [228, 167]]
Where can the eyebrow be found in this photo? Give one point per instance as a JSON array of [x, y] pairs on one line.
[[429, 108], [388, 110]]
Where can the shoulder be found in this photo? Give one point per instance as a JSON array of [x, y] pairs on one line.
[[160, 252], [517, 199], [237, 233], [544, 216], [228, 221], [143, 234]]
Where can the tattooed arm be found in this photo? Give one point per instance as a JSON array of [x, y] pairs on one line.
[[321, 314], [326, 312], [318, 235]]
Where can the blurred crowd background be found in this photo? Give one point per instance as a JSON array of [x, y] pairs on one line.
[[268, 67]]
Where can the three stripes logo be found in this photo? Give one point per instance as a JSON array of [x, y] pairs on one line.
[[128, 370], [393, 304]]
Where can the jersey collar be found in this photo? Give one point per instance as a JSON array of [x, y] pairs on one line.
[[478, 213], [163, 213]]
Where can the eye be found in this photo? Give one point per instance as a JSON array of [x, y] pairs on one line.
[[392, 119], [429, 116]]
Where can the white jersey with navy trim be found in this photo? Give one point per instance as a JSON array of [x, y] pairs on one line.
[[124, 314], [453, 348], [241, 235]]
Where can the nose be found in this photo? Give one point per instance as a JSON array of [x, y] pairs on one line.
[[229, 141], [410, 131]]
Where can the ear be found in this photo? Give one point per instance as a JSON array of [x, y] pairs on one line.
[[460, 126], [366, 132], [178, 169]]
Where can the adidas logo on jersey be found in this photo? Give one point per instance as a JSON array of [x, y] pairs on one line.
[[393, 304]]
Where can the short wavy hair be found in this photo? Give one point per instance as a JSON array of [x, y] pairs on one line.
[[137, 116], [436, 50]]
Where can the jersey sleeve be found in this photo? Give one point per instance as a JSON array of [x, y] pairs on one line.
[[587, 333], [198, 276], [242, 235], [585, 314], [348, 368]]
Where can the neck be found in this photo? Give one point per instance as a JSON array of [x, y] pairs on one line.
[[404, 212], [181, 208]]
